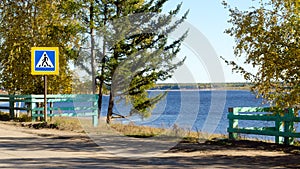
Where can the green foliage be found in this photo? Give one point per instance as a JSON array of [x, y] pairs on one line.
[[138, 51], [26, 24], [268, 36]]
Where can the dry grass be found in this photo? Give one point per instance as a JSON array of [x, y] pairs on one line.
[[133, 130], [67, 123], [4, 116], [130, 130]]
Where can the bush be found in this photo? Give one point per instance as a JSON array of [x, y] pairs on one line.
[[23, 118], [4, 116]]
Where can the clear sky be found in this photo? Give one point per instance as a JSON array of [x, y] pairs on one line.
[[210, 18]]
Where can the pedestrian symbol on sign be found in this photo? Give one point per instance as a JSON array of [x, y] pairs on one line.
[[45, 61]]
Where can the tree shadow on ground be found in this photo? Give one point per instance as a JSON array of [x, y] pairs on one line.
[[214, 161], [58, 144], [183, 155], [226, 144]]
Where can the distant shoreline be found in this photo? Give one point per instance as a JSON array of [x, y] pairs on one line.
[[193, 87], [202, 86], [206, 89]]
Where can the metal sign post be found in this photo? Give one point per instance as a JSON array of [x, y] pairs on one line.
[[45, 98], [44, 61]]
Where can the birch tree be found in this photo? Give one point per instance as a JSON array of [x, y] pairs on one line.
[[267, 36]]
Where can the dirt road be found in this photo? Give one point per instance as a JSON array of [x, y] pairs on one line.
[[44, 148]]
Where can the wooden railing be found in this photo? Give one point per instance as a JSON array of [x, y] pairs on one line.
[[58, 105], [284, 129], [12, 101]]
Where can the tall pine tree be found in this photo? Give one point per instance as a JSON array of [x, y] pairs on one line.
[[138, 52]]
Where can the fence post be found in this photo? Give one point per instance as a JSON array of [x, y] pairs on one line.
[[279, 128], [95, 111], [289, 125], [30, 106], [233, 123], [11, 106], [33, 105], [51, 110]]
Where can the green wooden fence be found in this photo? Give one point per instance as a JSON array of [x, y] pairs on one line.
[[58, 105], [284, 130]]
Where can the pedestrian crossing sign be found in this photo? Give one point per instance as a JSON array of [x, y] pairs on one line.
[[44, 61]]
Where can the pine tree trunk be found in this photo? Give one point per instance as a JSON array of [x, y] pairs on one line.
[[102, 66], [100, 95], [92, 47], [111, 95], [110, 108]]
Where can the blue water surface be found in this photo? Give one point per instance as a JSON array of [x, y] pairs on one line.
[[204, 110]]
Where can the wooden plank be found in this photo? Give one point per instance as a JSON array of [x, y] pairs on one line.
[[21, 108], [251, 109], [260, 128], [15, 108], [261, 117], [87, 114], [60, 100], [73, 97], [259, 132], [71, 100], [51, 96], [4, 107], [264, 132], [65, 108]]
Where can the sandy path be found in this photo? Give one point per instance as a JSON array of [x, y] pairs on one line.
[[44, 148]]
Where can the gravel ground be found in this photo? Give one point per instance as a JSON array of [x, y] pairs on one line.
[[22, 147]]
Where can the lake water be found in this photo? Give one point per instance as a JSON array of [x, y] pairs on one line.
[[204, 110], [197, 110]]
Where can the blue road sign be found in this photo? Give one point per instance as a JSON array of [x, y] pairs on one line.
[[44, 61]]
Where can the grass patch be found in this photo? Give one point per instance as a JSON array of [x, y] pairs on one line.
[[297, 143], [132, 130], [60, 123], [23, 118], [4, 116], [67, 123]]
